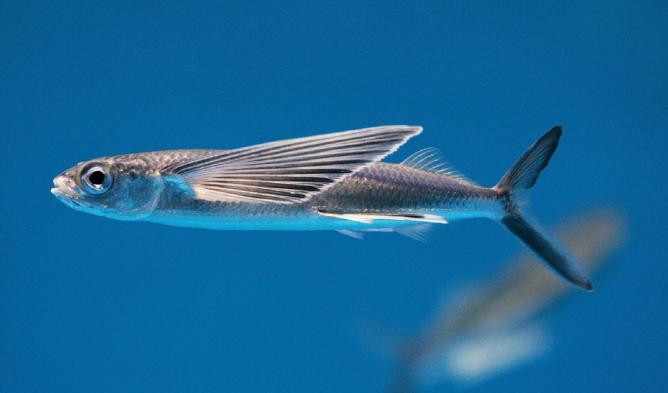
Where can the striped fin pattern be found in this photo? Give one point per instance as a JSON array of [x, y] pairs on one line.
[[288, 171]]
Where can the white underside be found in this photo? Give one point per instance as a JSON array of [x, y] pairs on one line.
[[307, 222]]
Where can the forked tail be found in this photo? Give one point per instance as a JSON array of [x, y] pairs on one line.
[[520, 177]]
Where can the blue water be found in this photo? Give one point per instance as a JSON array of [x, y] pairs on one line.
[[95, 305]]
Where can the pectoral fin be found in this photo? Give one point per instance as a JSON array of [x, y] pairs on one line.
[[369, 218], [288, 171]]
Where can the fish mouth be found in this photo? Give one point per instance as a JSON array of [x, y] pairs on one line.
[[63, 185], [57, 192], [64, 190]]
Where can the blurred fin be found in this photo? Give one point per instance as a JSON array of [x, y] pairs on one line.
[[353, 234], [486, 355], [415, 232]]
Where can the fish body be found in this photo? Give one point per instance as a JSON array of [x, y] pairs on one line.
[[332, 181], [378, 190]]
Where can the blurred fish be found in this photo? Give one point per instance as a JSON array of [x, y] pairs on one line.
[[492, 326], [332, 181]]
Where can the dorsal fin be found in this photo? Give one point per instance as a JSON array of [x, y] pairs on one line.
[[430, 159]]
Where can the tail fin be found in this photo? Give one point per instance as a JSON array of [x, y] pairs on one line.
[[557, 259], [524, 173], [522, 176]]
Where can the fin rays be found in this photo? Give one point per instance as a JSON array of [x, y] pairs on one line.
[[430, 159], [288, 171]]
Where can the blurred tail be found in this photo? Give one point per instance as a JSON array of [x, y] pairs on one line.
[[520, 177]]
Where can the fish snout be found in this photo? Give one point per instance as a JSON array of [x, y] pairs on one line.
[[64, 187]]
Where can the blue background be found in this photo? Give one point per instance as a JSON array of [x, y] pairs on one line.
[[95, 305]]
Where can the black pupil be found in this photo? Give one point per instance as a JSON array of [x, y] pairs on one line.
[[96, 178]]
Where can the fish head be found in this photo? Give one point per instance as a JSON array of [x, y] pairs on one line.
[[121, 187]]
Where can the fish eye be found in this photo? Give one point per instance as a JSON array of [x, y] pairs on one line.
[[96, 180]]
